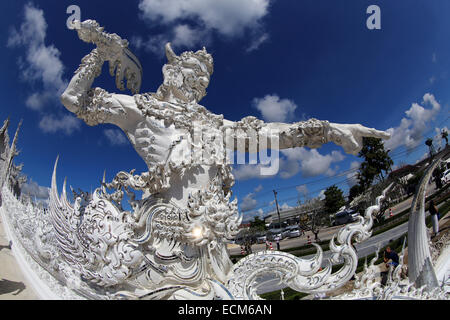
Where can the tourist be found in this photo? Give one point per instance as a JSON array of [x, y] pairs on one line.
[[434, 217], [391, 259], [248, 247]]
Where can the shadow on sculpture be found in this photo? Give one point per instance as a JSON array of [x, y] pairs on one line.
[[8, 286], [6, 247]]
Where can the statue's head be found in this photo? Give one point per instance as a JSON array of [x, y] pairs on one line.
[[186, 76]]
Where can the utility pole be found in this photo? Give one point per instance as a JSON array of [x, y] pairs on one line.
[[278, 210]]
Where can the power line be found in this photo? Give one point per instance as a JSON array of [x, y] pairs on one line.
[[393, 156]]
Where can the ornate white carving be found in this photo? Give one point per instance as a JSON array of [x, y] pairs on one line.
[[187, 214], [96, 240], [398, 287], [173, 243], [421, 270]]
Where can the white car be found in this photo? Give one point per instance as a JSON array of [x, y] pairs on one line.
[[295, 232], [446, 176], [261, 239]]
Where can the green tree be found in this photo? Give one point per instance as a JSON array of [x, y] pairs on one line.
[[314, 217], [257, 224], [354, 191], [334, 199], [376, 160]]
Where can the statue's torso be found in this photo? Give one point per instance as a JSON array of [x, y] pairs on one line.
[[179, 136]]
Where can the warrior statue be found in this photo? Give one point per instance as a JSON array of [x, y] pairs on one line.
[[176, 236]]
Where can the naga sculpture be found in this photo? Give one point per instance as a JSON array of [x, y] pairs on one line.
[[173, 244]]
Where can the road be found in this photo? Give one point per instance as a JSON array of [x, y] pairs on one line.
[[325, 234], [364, 249]]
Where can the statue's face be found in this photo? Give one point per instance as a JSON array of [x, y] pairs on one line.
[[188, 80]]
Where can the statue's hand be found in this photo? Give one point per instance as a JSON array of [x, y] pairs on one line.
[[87, 30], [350, 136], [122, 62]]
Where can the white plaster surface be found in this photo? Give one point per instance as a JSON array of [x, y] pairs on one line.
[[11, 273]]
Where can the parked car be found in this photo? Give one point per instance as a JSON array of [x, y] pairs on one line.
[[355, 215], [294, 232], [273, 233], [446, 176], [344, 217], [285, 233], [261, 239]]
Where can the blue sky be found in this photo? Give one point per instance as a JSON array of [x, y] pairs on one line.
[[274, 59]]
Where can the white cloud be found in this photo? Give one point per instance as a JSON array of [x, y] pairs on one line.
[[321, 195], [289, 168], [41, 67], [248, 203], [285, 206], [34, 190], [257, 42], [251, 171], [302, 190], [412, 127], [424, 156], [432, 79], [309, 161], [258, 188], [115, 137], [352, 177], [228, 18], [67, 124], [250, 216], [186, 36], [246, 171], [41, 62], [438, 141], [274, 109]]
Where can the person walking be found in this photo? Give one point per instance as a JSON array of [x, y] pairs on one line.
[[278, 243], [434, 217]]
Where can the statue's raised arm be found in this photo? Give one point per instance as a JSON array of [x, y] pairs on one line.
[[312, 133], [96, 105]]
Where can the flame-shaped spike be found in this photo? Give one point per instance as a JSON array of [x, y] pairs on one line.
[[63, 198]]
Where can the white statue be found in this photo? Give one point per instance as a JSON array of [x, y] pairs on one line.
[[175, 238]]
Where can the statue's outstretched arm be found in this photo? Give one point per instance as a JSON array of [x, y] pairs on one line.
[[312, 133], [96, 105]]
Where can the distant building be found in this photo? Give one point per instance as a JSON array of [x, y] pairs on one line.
[[290, 216], [403, 171], [244, 225]]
